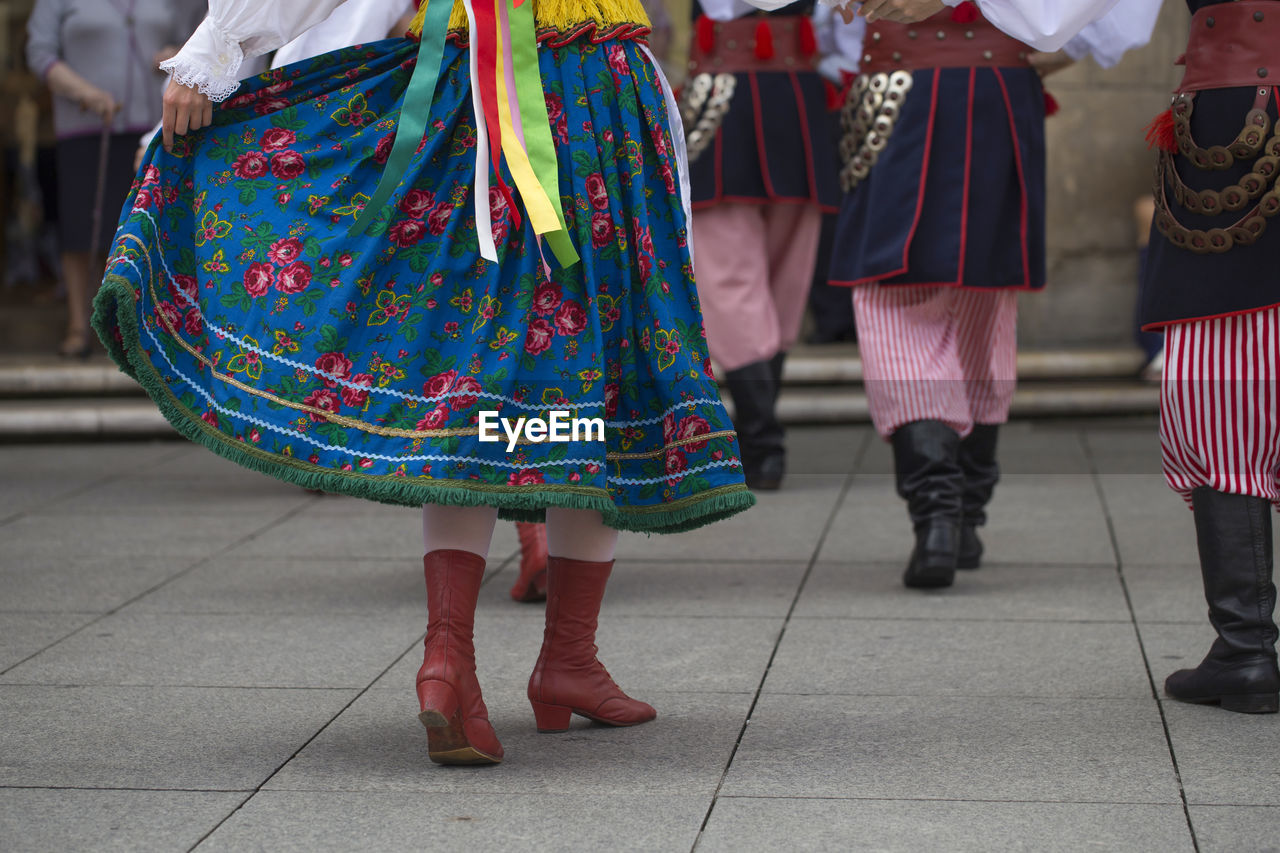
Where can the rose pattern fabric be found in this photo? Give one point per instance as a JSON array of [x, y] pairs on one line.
[[361, 364]]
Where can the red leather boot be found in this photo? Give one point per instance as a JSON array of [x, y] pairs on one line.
[[532, 583], [568, 679], [458, 729]]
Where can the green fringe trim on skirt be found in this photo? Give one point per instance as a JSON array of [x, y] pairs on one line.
[[114, 309]]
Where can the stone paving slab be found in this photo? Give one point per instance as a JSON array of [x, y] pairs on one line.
[[149, 495], [379, 745], [1124, 451], [954, 747], [1003, 591], [294, 586], [36, 494], [1030, 721], [225, 650], [41, 820], [1153, 526], [680, 588], [749, 823], [1224, 758], [211, 739], [24, 634], [394, 534], [53, 582], [173, 535], [1236, 829], [783, 526], [308, 821], [644, 654], [1172, 646], [1167, 592], [826, 450], [90, 462], [883, 657]]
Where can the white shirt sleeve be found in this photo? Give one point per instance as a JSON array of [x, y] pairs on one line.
[[840, 44], [211, 58], [1043, 24], [354, 22], [1125, 27]]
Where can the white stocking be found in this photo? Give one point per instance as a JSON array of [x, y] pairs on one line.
[[579, 534], [458, 528]]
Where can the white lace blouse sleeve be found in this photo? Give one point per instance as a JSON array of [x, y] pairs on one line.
[[1043, 24], [1125, 27], [236, 29]]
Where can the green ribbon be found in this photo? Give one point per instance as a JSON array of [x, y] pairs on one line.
[[414, 112], [535, 121]]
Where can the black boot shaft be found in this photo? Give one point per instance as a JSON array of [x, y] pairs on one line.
[[754, 389], [755, 417], [981, 471], [1239, 673], [1234, 536], [927, 470]]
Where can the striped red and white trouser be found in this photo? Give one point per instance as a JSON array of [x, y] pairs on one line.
[[1219, 408], [937, 353], [755, 264]]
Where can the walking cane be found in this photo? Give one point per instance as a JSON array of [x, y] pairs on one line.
[[99, 196]]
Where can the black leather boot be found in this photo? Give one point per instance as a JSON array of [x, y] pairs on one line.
[[760, 435], [981, 473], [926, 461], [775, 370], [1239, 673]]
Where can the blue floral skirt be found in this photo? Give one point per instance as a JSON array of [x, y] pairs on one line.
[[264, 331]]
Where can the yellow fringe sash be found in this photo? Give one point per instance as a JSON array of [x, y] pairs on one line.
[[559, 15]]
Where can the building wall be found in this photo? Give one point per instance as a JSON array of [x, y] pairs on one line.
[[1099, 166]]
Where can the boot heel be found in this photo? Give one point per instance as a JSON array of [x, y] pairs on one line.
[[1252, 703], [551, 718], [439, 702]]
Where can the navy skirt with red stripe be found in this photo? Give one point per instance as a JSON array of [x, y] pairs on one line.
[[774, 145], [957, 196]]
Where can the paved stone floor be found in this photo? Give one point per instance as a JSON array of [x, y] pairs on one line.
[[195, 656]]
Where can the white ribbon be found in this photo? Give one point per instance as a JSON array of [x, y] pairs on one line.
[[682, 153], [484, 221]]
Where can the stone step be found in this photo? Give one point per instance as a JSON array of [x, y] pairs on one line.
[[1031, 400], [120, 417], [50, 376], [840, 364]]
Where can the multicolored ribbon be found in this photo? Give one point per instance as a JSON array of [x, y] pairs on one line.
[[414, 112], [511, 120]]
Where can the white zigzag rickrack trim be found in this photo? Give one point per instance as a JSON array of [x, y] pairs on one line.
[[390, 392], [299, 436]]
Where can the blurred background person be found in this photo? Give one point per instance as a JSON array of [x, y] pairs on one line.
[[760, 187], [99, 60], [840, 45], [942, 226]]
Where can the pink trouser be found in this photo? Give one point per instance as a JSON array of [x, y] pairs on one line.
[[754, 266], [1219, 405], [937, 353]]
